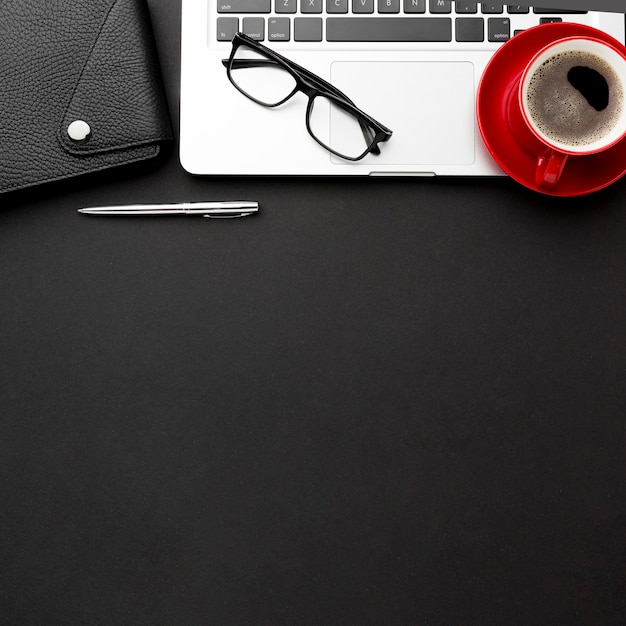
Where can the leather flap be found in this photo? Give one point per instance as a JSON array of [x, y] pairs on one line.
[[119, 93]]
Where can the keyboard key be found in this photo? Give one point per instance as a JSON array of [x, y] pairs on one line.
[[440, 6], [389, 29], [308, 28], [362, 6], [389, 6], [550, 20], [336, 6], [556, 11], [415, 6], [466, 6], [469, 29], [285, 6], [311, 6], [499, 29], [243, 6], [227, 28], [254, 27], [490, 7], [278, 29], [516, 9]]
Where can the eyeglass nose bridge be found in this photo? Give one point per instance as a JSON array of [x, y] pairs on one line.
[[307, 87]]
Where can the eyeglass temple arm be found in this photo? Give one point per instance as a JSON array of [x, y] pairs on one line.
[[248, 63]]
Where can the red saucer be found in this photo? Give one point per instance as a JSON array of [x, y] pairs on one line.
[[500, 79]]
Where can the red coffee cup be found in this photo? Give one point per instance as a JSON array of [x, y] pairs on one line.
[[571, 102]]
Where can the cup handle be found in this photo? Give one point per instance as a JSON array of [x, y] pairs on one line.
[[550, 166]]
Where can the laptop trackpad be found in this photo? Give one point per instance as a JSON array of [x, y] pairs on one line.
[[429, 106]]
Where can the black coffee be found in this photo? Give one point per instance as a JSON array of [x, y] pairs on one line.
[[575, 98], [591, 84]]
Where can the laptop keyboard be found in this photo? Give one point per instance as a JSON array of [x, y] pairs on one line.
[[377, 20]]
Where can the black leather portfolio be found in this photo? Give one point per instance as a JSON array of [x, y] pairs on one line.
[[80, 89]]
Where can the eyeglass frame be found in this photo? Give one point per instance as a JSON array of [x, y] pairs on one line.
[[311, 86]]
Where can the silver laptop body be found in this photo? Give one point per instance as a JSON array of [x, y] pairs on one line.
[[424, 91]]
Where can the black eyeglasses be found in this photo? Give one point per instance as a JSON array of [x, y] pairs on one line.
[[270, 79]]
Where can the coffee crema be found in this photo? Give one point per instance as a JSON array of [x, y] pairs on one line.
[[567, 101]]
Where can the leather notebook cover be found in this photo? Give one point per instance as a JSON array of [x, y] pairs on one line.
[[80, 89]]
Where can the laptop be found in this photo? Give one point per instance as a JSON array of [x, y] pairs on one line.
[[423, 90]]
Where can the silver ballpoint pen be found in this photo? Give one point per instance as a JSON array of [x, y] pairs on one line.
[[203, 209]]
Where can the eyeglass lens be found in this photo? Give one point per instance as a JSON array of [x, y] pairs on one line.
[[260, 78], [337, 128]]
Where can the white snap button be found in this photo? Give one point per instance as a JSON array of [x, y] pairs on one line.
[[79, 131]]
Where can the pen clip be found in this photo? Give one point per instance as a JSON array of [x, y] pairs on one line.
[[228, 215]]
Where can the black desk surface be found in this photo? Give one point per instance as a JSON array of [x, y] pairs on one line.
[[378, 402]]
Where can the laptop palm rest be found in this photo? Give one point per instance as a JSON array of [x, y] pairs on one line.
[[429, 106]]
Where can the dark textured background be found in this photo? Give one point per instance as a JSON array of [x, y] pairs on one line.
[[378, 402]]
